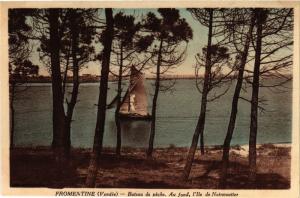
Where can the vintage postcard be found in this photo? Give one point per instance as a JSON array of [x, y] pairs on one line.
[[150, 98]]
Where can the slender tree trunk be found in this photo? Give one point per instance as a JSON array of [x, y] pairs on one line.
[[59, 132], [99, 130], [234, 106], [12, 114], [117, 120], [154, 102], [65, 75], [254, 100], [71, 104], [201, 121], [202, 143]]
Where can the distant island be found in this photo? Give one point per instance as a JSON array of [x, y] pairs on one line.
[[89, 78]]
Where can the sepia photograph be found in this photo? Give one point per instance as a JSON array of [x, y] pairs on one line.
[[162, 97]]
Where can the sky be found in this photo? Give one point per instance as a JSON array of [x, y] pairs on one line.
[[185, 68]]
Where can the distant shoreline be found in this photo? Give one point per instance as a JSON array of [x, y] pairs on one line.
[[98, 80]]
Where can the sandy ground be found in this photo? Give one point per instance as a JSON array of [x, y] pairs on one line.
[[34, 167]]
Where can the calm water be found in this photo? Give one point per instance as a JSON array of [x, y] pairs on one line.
[[176, 118]]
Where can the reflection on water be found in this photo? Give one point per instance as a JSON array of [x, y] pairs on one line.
[[135, 133]]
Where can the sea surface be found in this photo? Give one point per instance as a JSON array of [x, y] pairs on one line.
[[177, 114]]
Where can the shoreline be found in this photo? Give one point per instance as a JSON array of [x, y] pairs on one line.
[[217, 146], [242, 150]]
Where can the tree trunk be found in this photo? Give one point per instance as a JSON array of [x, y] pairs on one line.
[[202, 143], [65, 74], [99, 130], [201, 121], [254, 100], [12, 114], [59, 117], [234, 106], [154, 102], [71, 104], [117, 120]]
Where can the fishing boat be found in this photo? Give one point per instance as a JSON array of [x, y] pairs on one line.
[[134, 104]]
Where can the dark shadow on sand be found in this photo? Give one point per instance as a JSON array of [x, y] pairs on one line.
[[35, 168]]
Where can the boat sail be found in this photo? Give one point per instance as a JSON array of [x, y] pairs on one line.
[[134, 104]]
